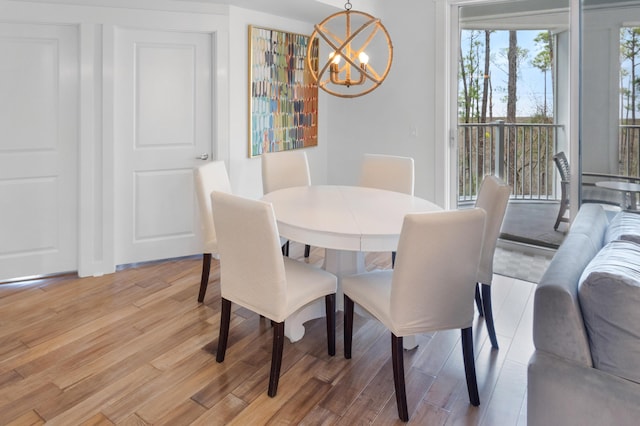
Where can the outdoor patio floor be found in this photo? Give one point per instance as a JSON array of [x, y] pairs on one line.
[[532, 223]]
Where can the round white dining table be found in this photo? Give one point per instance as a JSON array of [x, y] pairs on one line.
[[347, 221]]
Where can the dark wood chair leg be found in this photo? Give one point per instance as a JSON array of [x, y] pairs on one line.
[[348, 326], [285, 249], [307, 250], [488, 314], [397, 359], [204, 280], [225, 320], [330, 308], [469, 366], [393, 259], [276, 358], [479, 300]]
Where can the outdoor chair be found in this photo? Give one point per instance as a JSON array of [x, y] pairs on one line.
[[561, 162]]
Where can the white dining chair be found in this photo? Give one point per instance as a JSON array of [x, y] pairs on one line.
[[493, 197], [255, 275], [430, 289], [389, 172], [285, 169], [209, 177]]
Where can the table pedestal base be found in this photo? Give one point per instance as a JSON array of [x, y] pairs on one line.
[[340, 263]]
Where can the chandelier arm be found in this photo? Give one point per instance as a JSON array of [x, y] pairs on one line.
[[369, 39], [353, 35], [321, 32], [359, 30]]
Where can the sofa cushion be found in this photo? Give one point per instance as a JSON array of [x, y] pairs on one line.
[[624, 226], [609, 294]]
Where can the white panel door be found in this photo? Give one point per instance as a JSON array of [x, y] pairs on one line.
[[163, 121], [38, 149]]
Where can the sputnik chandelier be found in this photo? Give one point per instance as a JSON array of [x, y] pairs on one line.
[[358, 60]]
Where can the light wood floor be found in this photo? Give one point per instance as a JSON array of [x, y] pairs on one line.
[[135, 348]]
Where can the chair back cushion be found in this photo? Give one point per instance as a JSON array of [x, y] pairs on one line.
[[435, 272], [252, 270], [284, 169], [210, 177], [388, 172], [493, 199]]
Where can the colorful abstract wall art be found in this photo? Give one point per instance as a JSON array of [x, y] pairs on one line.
[[283, 106]]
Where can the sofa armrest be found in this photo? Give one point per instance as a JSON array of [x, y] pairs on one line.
[[558, 327]]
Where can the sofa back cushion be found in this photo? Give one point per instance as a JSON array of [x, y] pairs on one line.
[[624, 226], [609, 293]]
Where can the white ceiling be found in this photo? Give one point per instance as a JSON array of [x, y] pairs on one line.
[[317, 10], [305, 10]]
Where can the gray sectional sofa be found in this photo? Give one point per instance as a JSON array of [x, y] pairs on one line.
[[586, 327]]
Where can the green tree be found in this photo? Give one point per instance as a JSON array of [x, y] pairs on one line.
[[629, 49], [544, 62], [469, 66]]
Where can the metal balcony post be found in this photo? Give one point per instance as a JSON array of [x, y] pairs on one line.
[[499, 160]]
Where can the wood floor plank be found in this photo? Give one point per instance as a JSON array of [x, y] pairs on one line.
[[136, 348], [225, 383], [27, 402], [94, 402], [361, 370], [222, 413], [302, 402], [151, 394], [509, 392], [31, 418], [257, 384], [60, 341], [182, 415], [428, 414], [265, 407]]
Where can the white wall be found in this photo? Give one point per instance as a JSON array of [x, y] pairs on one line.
[[398, 117]]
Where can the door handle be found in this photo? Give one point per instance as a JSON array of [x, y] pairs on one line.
[[204, 156]]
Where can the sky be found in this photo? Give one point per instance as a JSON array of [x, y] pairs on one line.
[[531, 81]]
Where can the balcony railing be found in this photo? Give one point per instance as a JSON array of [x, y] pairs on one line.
[[521, 154]]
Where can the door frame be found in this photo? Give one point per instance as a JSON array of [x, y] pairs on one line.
[[446, 120]]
